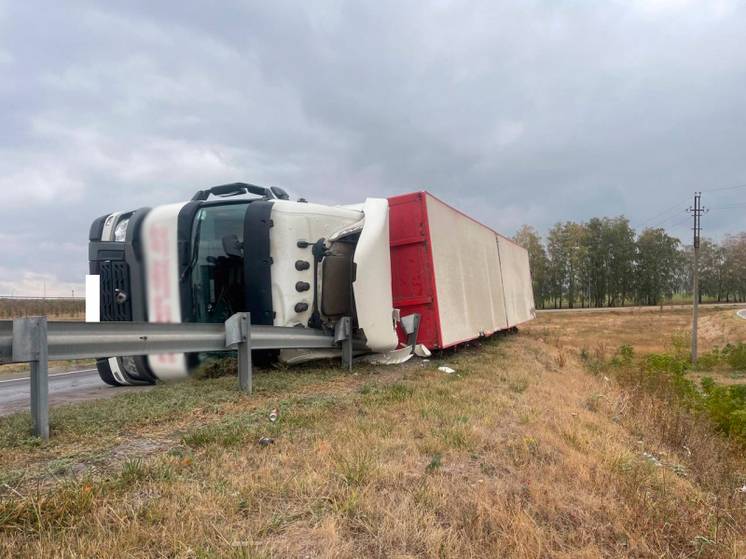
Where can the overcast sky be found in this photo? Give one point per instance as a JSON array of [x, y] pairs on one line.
[[515, 112]]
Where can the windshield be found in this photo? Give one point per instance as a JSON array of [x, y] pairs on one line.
[[216, 277]]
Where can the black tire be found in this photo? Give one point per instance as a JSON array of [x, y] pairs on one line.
[[141, 362], [104, 371], [133, 370]]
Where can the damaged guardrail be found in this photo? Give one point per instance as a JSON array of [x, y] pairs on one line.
[[36, 341]]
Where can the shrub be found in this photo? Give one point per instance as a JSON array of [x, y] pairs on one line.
[[708, 361], [726, 406], [664, 374], [680, 345], [707, 384], [737, 356], [667, 363], [623, 356]]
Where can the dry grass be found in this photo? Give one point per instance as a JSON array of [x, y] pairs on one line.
[[522, 453], [57, 309], [720, 328], [19, 370], [647, 331]]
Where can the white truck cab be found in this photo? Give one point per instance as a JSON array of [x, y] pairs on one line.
[[240, 247]]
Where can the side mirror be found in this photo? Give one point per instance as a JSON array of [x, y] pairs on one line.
[[232, 246]]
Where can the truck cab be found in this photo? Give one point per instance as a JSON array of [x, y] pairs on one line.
[[241, 247]]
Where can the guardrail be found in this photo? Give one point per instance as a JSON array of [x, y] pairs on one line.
[[36, 341]]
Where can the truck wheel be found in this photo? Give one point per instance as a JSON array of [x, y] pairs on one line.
[[133, 371], [104, 371]]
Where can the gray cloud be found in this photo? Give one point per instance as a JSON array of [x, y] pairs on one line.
[[517, 112]]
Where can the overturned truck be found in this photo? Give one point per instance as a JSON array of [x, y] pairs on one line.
[[242, 247]]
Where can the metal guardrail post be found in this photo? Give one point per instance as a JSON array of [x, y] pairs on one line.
[[238, 333], [343, 333], [244, 359], [6, 341], [30, 344]]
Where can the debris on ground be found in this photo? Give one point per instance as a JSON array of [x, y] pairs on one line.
[[678, 469], [421, 351], [394, 357], [447, 370], [266, 441], [274, 415], [652, 459]]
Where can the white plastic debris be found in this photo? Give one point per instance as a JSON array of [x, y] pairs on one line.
[[652, 459], [446, 370], [743, 489], [421, 351], [395, 357], [274, 415]]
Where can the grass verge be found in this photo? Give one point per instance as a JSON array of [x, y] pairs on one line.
[[520, 453]]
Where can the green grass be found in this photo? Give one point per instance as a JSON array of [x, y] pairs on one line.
[[165, 402], [356, 466], [667, 376], [103, 418]]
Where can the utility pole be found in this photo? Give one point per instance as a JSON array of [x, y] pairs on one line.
[[696, 212]]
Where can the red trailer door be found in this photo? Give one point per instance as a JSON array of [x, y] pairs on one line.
[[412, 278]]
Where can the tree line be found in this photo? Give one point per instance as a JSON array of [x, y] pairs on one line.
[[605, 262]]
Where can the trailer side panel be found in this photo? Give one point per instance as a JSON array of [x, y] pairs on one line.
[[519, 295], [467, 275]]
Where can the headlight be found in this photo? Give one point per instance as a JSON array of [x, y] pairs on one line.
[[120, 232]]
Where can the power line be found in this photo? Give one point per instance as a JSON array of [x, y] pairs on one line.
[[652, 218], [676, 216], [646, 223], [725, 188], [678, 223], [676, 208], [729, 206]]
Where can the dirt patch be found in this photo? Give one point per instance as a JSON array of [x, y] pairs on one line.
[[722, 328]]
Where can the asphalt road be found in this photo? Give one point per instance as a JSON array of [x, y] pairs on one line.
[[64, 388]]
